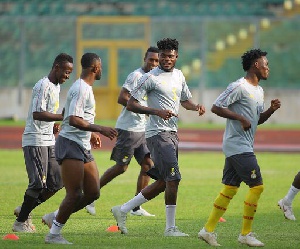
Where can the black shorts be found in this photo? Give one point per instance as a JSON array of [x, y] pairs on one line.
[[69, 149], [42, 168], [129, 144], [164, 153], [242, 168]]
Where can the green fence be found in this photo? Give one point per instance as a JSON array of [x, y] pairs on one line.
[[209, 53]]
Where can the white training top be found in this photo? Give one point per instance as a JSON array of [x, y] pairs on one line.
[[81, 103], [45, 97], [164, 90], [128, 120], [245, 99]]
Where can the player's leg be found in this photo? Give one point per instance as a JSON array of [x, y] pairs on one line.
[[148, 193], [285, 203], [36, 160], [249, 171], [231, 183], [142, 156]]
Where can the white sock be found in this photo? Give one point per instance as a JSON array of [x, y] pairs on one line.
[[55, 213], [56, 227], [134, 202], [291, 195], [170, 216]]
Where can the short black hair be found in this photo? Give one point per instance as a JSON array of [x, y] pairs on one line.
[[62, 58], [249, 57], [88, 59], [151, 50], [168, 44]]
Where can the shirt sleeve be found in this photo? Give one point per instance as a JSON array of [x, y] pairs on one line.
[[77, 103], [185, 93], [231, 95], [144, 85], [40, 97], [132, 81]]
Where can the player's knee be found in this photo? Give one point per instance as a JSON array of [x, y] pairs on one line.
[[230, 190], [35, 193], [257, 189]]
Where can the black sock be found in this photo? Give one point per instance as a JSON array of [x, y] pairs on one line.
[[28, 205], [136, 208]]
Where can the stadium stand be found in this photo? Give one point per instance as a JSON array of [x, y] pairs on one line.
[[219, 20]]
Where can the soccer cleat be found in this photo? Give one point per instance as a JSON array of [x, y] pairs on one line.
[[174, 232], [287, 210], [209, 238], [140, 212], [22, 227], [29, 219], [47, 219], [120, 218], [91, 208], [250, 240], [56, 239]]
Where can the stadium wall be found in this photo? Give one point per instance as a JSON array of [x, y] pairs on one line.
[[288, 114]]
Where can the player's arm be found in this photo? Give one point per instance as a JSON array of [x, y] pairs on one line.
[[189, 105], [134, 105], [47, 116], [124, 96], [264, 116], [226, 113], [82, 124]]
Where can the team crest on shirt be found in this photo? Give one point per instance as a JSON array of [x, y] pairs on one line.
[[251, 96], [125, 158], [172, 172], [253, 174]]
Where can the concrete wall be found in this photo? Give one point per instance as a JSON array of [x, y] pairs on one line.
[[287, 114]]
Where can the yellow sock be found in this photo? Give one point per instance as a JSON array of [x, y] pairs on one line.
[[250, 205], [220, 205]]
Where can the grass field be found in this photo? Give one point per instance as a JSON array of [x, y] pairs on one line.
[[200, 184]]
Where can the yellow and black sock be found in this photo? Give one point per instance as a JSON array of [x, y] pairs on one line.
[[220, 205], [250, 205]]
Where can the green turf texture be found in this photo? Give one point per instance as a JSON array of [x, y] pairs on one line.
[[201, 175]]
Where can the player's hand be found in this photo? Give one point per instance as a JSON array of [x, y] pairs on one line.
[[245, 124], [200, 109], [275, 104], [56, 128], [166, 114], [109, 132], [95, 140]]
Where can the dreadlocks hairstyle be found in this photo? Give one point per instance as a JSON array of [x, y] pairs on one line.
[[250, 57], [88, 59], [168, 44], [151, 50], [61, 59]]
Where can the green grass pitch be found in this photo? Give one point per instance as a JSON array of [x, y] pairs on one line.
[[201, 175]]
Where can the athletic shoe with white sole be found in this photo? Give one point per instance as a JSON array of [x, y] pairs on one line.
[[250, 240], [141, 212], [91, 208], [29, 219], [287, 210], [56, 239], [120, 218], [209, 238], [47, 219], [174, 232], [22, 227]]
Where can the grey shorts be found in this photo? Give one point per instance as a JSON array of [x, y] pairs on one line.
[[164, 153], [129, 144], [68, 149], [242, 168], [42, 168]]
